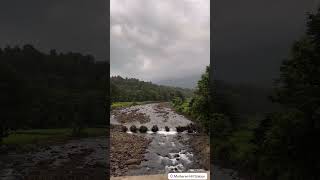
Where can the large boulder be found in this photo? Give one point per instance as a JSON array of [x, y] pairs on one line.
[[180, 129], [143, 129], [124, 129], [154, 128], [133, 128]]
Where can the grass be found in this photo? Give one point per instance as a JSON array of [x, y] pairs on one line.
[[126, 104], [32, 136]]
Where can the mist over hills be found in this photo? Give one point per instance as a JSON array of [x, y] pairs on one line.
[[189, 82]]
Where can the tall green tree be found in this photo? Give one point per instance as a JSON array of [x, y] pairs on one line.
[[298, 88]]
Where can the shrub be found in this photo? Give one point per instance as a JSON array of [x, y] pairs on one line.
[[167, 128]]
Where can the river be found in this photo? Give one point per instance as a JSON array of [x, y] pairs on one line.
[[168, 151]]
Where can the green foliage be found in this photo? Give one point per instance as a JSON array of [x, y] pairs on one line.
[[40, 90], [197, 106], [134, 90], [125, 104], [22, 137], [281, 145]]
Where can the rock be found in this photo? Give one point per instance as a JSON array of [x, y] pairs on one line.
[[133, 167], [154, 128], [133, 128], [167, 128], [133, 161], [180, 129], [143, 129], [124, 129]]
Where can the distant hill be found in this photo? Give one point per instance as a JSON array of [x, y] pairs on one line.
[[245, 100], [131, 89], [184, 82]]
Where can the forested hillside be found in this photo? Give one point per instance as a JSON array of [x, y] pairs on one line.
[[281, 144], [134, 90], [40, 90]]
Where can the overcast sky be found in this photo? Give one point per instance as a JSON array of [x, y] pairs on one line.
[[161, 40], [156, 40], [66, 25], [252, 37]]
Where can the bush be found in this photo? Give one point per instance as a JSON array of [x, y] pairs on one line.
[[167, 128], [154, 128], [133, 128], [143, 129]]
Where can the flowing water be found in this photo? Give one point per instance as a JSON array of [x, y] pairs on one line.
[[167, 151]]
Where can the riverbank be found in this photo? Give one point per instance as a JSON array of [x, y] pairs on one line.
[[200, 144], [127, 150], [77, 158], [119, 105]]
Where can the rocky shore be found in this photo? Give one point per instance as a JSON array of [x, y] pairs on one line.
[[81, 158], [200, 144], [127, 151], [130, 116]]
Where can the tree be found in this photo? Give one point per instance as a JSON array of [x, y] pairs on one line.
[[13, 100], [298, 88], [200, 103]]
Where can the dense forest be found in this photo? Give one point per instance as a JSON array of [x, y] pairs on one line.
[[197, 106], [281, 143], [51, 90], [134, 90]]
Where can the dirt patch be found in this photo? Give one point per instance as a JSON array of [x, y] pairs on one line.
[[131, 116], [127, 151]]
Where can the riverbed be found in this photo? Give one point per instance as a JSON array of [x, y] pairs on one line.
[[167, 151], [81, 158]]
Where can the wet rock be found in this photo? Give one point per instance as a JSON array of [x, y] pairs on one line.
[[133, 161], [133, 128], [124, 129], [154, 128], [180, 129], [143, 129], [167, 128]]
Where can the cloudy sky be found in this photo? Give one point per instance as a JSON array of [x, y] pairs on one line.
[[252, 37], [159, 40], [66, 25]]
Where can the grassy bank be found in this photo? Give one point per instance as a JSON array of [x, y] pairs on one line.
[[116, 105], [32, 136]]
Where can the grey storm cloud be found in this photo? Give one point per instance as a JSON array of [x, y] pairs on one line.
[[252, 37], [158, 40], [65, 25]]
